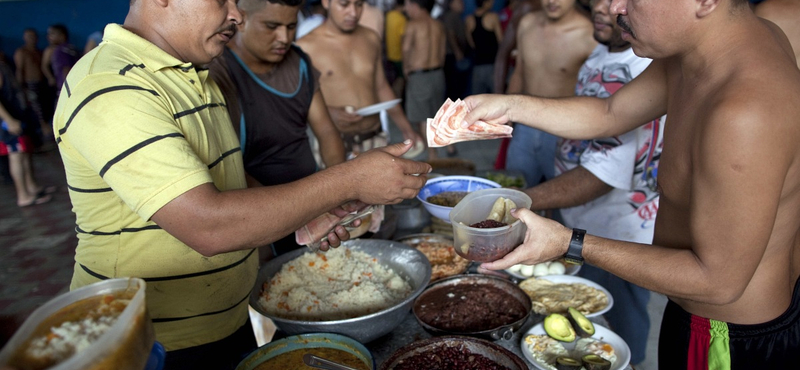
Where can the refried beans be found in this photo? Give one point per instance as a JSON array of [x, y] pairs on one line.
[[468, 307]]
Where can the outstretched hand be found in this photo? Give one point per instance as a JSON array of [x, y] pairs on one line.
[[489, 108], [381, 176], [545, 240]]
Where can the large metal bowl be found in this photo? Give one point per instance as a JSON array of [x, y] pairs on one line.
[[406, 261], [505, 331]]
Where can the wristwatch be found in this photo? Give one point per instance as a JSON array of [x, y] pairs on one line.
[[575, 252]]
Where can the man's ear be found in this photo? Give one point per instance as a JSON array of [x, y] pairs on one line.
[[705, 7], [326, 4]]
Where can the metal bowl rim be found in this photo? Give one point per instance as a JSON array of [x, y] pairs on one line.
[[256, 291], [514, 325]]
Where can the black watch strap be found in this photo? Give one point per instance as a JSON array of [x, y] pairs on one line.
[[575, 252]]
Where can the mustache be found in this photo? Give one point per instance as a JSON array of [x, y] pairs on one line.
[[624, 25], [229, 28]]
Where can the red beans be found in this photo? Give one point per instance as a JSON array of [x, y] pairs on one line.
[[488, 224], [448, 358]]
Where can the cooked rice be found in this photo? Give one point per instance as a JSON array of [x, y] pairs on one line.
[[336, 285]]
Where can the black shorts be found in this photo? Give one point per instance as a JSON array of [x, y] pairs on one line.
[[695, 343]]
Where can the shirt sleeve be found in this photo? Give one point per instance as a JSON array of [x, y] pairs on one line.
[[612, 159], [127, 135]]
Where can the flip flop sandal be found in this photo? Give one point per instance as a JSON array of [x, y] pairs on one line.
[[38, 200]]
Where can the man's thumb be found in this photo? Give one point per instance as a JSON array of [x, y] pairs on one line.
[[399, 148]]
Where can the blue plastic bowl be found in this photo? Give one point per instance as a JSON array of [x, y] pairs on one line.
[[450, 183], [295, 342]]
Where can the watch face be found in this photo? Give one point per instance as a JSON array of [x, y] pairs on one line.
[[573, 261]]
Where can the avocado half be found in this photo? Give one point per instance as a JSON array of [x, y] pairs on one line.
[[595, 362], [582, 325], [567, 363], [558, 327]]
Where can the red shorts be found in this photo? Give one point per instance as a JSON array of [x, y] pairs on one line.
[[16, 144]]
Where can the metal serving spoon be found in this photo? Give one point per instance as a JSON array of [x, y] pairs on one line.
[[321, 363]]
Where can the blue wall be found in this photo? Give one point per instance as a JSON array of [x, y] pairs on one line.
[[82, 17]]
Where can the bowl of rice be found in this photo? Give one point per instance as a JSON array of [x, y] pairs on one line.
[[362, 290]]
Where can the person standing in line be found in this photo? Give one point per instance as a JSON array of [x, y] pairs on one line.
[[355, 79], [483, 35], [59, 57], [273, 97], [395, 28], [457, 57], [423, 61], [552, 45], [16, 142], [28, 59]]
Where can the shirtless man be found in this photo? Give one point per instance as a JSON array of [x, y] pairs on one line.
[[28, 59], [349, 57], [784, 13], [509, 42], [423, 61], [552, 45], [726, 246]]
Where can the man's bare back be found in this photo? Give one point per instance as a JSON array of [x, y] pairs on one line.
[[786, 14], [550, 53], [423, 44], [347, 63]]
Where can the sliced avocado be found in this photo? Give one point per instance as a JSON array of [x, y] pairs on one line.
[[581, 324], [595, 362], [558, 327], [567, 363]]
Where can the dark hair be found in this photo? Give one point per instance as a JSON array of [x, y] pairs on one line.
[[62, 29], [250, 5], [29, 29], [479, 3], [425, 4]]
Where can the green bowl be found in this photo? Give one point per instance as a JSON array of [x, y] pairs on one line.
[[323, 340]]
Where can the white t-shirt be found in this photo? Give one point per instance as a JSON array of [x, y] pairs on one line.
[[628, 162]]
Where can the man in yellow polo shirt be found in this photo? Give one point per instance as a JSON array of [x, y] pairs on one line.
[[157, 183]]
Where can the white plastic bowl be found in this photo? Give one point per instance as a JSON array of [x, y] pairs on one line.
[[450, 183]]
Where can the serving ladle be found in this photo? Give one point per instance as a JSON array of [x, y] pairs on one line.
[[321, 363]]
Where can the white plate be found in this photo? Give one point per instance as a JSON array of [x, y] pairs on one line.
[[602, 333], [570, 270], [377, 108], [567, 279]]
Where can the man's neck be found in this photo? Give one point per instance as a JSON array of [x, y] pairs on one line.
[[256, 65]]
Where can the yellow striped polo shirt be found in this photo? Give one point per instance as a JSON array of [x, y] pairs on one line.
[[137, 128]]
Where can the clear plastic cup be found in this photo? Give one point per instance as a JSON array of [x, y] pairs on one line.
[[486, 245]]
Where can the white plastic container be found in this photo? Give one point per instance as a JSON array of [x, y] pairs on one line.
[[486, 245], [125, 346]]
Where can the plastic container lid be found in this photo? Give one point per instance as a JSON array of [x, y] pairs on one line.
[[486, 245]]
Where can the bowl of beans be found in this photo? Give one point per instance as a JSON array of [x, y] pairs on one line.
[[441, 194], [453, 352], [475, 304], [480, 238]]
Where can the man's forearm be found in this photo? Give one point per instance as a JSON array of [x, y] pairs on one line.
[[578, 118], [214, 222], [572, 188]]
